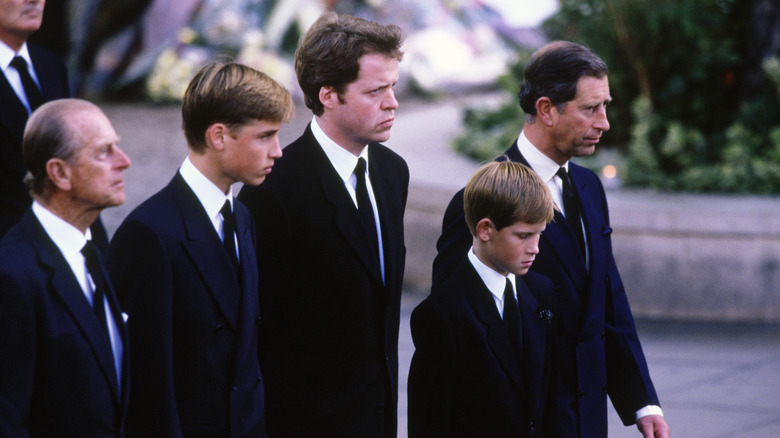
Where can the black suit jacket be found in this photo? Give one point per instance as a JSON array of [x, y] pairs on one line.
[[194, 325], [14, 195], [598, 349], [465, 379], [329, 335], [57, 373]]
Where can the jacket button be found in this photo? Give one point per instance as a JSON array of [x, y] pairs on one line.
[[234, 388], [603, 335], [218, 329], [581, 393], [531, 426]]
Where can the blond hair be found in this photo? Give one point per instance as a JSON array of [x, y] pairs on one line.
[[506, 192], [233, 94]]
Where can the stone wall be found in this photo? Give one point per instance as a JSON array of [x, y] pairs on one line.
[[682, 257]]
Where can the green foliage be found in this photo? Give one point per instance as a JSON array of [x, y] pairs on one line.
[[694, 106], [489, 132]]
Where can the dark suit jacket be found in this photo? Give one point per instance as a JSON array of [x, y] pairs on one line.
[[14, 195], [329, 334], [194, 327], [57, 374], [465, 379], [597, 345]]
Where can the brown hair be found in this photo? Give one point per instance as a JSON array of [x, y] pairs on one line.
[[233, 94], [330, 51], [506, 192], [554, 71]]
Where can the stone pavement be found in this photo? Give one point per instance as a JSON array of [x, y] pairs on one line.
[[714, 380]]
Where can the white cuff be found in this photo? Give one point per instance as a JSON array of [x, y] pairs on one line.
[[649, 410]]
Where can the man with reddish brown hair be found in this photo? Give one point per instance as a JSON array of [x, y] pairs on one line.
[[331, 243]]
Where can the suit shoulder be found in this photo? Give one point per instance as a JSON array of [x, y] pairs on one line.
[[387, 155], [156, 213], [17, 253]]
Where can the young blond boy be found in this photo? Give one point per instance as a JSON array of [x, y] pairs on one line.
[[483, 337]]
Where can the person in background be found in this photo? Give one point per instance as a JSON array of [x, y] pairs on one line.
[[63, 341], [31, 76], [331, 248], [564, 96]]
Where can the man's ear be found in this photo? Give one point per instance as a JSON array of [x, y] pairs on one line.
[[59, 173], [329, 97], [485, 229], [215, 136], [546, 111]]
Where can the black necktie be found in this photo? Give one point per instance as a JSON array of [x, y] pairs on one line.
[[34, 97], [94, 265], [228, 229], [512, 320], [364, 204], [572, 208]]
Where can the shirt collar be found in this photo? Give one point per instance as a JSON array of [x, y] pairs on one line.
[[495, 282], [68, 238], [209, 195], [539, 162], [7, 54], [341, 159]]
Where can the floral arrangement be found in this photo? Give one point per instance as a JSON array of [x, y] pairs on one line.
[[219, 32]]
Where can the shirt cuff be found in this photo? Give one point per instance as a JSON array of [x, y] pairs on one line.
[[649, 410]]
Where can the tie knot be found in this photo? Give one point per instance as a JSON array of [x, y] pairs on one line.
[[19, 63], [226, 209], [90, 252], [360, 168], [562, 174]]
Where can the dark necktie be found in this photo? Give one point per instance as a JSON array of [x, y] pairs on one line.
[[572, 208], [94, 265], [512, 320], [364, 204], [228, 229], [34, 97]]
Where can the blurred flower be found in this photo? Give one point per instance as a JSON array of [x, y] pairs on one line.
[[172, 72]]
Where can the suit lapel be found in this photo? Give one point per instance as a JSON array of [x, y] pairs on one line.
[[346, 215], [390, 215], [64, 284], [558, 236], [13, 115], [49, 70], [534, 338], [205, 248], [248, 309], [481, 300]]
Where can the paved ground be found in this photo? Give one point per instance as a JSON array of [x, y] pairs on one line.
[[714, 380]]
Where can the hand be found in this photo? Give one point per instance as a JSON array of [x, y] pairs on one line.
[[653, 426]]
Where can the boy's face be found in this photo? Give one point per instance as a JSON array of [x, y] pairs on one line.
[[513, 248], [251, 150]]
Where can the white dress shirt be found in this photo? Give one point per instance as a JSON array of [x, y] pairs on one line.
[[210, 196], [344, 163], [494, 281], [6, 56], [546, 169], [69, 240]]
